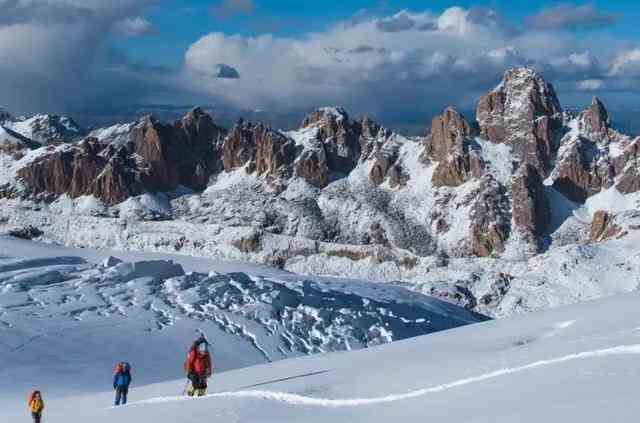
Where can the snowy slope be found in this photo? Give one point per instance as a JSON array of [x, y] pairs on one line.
[[62, 316], [578, 363]]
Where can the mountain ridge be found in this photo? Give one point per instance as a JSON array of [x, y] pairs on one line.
[[522, 178]]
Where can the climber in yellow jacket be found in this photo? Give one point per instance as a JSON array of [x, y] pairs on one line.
[[36, 405]]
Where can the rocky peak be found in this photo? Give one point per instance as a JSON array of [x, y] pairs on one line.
[[333, 117], [47, 129], [339, 135], [523, 111], [369, 128], [198, 129], [239, 146], [596, 118], [261, 149]]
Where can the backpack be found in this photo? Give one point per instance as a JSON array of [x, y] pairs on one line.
[[31, 395], [122, 367]]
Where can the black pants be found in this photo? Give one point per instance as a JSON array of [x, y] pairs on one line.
[[121, 395], [36, 417], [198, 381]]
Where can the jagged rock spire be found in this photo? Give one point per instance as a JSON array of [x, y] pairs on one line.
[[597, 117], [523, 111]]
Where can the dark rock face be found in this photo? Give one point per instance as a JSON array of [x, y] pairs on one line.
[[458, 168], [51, 174], [386, 166], [239, 148], [261, 149], [490, 219], [197, 149], [383, 163], [627, 166], [580, 174], [87, 165], [448, 131], [524, 112], [120, 178], [450, 144], [531, 211], [312, 166]]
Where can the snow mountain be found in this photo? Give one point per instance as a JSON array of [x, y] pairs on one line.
[[36, 131], [477, 212]]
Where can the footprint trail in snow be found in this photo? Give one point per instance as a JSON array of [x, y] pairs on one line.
[[295, 399]]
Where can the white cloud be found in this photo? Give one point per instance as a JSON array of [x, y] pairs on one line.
[[590, 84], [133, 27], [626, 63], [417, 64]]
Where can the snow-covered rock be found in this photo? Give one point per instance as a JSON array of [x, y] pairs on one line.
[[46, 129]]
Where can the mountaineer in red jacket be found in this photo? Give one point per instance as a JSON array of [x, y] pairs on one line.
[[198, 367]]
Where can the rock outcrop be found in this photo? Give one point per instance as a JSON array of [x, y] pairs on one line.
[[582, 171], [603, 227], [312, 166], [451, 145], [490, 219]]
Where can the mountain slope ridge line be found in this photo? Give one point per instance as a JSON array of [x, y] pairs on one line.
[[295, 399]]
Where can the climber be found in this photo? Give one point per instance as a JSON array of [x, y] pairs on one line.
[[36, 405], [198, 367], [121, 382]]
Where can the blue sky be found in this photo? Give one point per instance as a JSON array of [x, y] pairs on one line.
[[401, 61]]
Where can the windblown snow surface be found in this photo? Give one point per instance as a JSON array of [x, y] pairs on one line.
[[574, 363]]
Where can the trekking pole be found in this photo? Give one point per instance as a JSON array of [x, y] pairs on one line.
[[186, 385]]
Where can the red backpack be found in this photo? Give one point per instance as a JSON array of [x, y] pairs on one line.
[[122, 367]]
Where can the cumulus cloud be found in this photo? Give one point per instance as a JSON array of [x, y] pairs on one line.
[[229, 8], [571, 17], [401, 67], [408, 65], [133, 27], [626, 63], [591, 84]]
